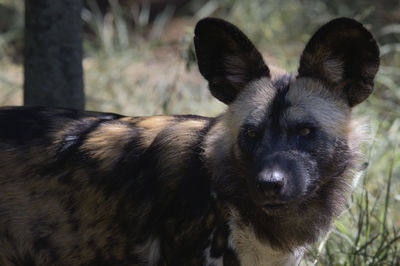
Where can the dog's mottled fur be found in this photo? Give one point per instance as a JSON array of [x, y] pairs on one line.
[[253, 186]]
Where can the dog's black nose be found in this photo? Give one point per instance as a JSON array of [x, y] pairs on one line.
[[270, 181]]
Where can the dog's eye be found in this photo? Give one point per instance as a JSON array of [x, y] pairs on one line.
[[304, 131], [251, 133], [250, 137]]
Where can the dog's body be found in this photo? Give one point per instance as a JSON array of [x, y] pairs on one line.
[[252, 186]]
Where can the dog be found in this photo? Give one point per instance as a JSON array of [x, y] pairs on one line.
[[255, 185]]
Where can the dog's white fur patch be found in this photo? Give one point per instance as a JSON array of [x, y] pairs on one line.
[[208, 260], [252, 252], [149, 251]]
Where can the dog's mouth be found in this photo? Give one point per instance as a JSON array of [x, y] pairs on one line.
[[273, 206], [275, 209]]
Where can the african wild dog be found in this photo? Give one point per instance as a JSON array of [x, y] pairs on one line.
[[253, 186]]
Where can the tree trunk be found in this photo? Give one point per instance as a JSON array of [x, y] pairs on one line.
[[53, 54]]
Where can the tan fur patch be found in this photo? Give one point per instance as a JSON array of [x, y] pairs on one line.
[[177, 142], [155, 122], [357, 134], [185, 131], [191, 125], [153, 125], [107, 142], [130, 120], [276, 72]]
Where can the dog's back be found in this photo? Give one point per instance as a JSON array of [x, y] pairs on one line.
[[91, 187]]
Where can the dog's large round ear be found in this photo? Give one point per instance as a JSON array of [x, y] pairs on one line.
[[345, 57], [226, 58]]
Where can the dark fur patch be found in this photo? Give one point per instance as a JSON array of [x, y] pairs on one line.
[[23, 125], [345, 55], [279, 104], [226, 58]]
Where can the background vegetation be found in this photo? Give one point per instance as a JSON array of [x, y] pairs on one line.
[[139, 61]]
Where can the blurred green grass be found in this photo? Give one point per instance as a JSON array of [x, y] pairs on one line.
[[149, 68]]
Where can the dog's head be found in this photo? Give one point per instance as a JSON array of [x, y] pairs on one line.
[[291, 136]]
